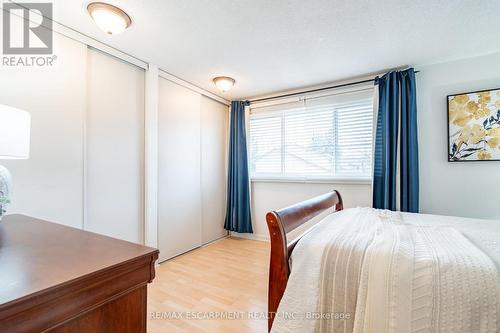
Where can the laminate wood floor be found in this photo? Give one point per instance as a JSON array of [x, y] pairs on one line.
[[221, 287]]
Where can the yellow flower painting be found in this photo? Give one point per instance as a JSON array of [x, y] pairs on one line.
[[474, 126]]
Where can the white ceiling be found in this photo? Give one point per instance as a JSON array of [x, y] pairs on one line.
[[276, 45]]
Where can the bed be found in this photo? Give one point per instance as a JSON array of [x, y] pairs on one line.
[[369, 270]]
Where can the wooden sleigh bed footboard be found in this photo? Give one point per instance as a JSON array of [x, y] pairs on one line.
[[282, 222]]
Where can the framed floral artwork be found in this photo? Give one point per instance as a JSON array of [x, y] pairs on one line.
[[474, 126]]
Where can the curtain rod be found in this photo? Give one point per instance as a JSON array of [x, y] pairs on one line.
[[314, 90]]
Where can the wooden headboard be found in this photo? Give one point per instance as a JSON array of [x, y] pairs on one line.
[[282, 222]]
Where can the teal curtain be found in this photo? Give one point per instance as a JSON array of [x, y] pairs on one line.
[[238, 217], [409, 143], [397, 109], [386, 139]]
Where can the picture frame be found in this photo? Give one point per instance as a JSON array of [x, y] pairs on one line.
[[473, 122]]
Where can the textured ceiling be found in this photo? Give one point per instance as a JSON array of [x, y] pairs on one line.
[[276, 45]]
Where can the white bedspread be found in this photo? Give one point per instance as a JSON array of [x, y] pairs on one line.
[[367, 270]]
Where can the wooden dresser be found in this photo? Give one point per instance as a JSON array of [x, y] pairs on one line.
[[59, 279]]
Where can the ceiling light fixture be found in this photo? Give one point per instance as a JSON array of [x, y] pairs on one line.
[[109, 18], [224, 83]]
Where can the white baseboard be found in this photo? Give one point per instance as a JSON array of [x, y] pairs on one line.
[[258, 237]]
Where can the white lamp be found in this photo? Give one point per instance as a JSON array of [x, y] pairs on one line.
[[110, 19], [224, 83], [14, 144]]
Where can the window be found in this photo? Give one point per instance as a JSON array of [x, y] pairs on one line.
[[317, 138]]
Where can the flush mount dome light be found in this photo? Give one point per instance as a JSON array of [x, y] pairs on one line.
[[109, 18], [224, 83]]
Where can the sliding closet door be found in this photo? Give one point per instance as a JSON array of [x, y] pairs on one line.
[[49, 184], [114, 148], [214, 119], [179, 190]]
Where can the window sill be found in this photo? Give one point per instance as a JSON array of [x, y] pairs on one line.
[[346, 181]]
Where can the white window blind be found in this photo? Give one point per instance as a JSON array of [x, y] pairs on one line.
[[321, 138]]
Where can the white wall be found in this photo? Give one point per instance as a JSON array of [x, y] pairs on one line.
[[469, 189], [268, 196]]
